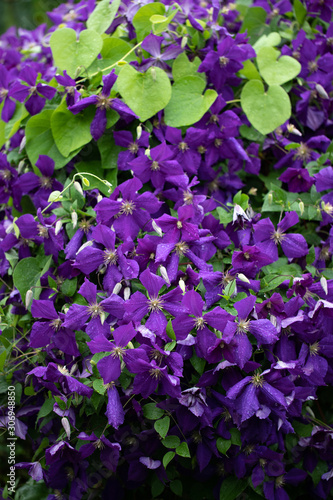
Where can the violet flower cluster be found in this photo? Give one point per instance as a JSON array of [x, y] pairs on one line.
[[167, 292]]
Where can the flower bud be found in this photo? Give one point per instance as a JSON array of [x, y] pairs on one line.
[[58, 226], [86, 244], [301, 207], [157, 228], [184, 42], [23, 143], [74, 219], [85, 181], [20, 166], [270, 198], [242, 277], [164, 274], [127, 293], [28, 298], [321, 91], [102, 317], [323, 282], [182, 285], [99, 198], [78, 187], [138, 131], [55, 196], [117, 288], [66, 426]]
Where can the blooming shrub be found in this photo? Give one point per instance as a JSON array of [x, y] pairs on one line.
[[166, 250]]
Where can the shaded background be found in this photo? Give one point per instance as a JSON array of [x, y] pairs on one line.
[[26, 14]]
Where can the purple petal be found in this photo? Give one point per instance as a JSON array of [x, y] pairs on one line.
[[109, 368], [114, 410], [294, 245], [264, 331]]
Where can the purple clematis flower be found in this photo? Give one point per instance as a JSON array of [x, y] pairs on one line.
[[37, 93], [72, 94], [9, 105], [103, 103], [153, 44], [77, 315], [134, 147], [109, 451], [267, 238]]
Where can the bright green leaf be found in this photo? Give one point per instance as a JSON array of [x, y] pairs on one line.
[[271, 40], [151, 411], [167, 458], [265, 110], [145, 93], [169, 330], [171, 442], [250, 71], [182, 66], [183, 451], [99, 386], [26, 274], [141, 21], [69, 287], [162, 426], [46, 408], [3, 357], [103, 15], [71, 132], [276, 71], [93, 167], [223, 445], [255, 23], [300, 12], [70, 53], [187, 104]]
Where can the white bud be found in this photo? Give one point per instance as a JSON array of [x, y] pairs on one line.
[[66, 426], [102, 317], [293, 130], [10, 228], [28, 298], [323, 282], [242, 277], [20, 167], [127, 293], [138, 131], [130, 345], [301, 207], [270, 198], [58, 227], [78, 187], [164, 274], [184, 42], [239, 212], [22, 144], [65, 309], [86, 244], [117, 288], [321, 91], [157, 228], [74, 219], [182, 285], [99, 198]]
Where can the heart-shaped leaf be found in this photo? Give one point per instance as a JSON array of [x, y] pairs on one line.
[[270, 40], [276, 71], [103, 15], [69, 53], [145, 93], [187, 104], [265, 110]]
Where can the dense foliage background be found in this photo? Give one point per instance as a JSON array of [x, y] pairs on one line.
[[166, 251]]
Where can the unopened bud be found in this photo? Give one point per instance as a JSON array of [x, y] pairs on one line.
[[321, 91], [65, 309], [21, 166], [10, 228], [85, 181], [66, 426], [22, 144], [99, 198], [253, 191], [323, 282], [74, 219], [130, 345], [78, 187], [184, 42], [127, 293], [270, 198], [117, 288], [182, 285], [157, 228], [102, 317], [55, 196], [301, 207], [164, 274], [242, 277], [28, 298], [86, 244], [138, 131], [293, 130], [58, 227]]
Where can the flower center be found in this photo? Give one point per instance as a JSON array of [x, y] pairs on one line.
[[243, 326], [103, 102], [155, 373], [110, 257], [84, 225], [257, 380], [277, 237], [201, 149], [42, 231], [179, 224], [155, 304], [279, 482], [133, 148], [63, 370], [188, 197], [182, 146], [218, 143], [118, 352], [3, 93], [157, 355], [95, 310], [99, 445], [312, 66], [155, 166], [45, 182], [314, 349], [303, 152], [199, 323], [223, 61], [327, 208], [181, 248], [6, 174], [127, 208], [56, 324]]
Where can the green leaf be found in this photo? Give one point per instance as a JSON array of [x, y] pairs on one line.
[[198, 363], [223, 445], [113, 50], [162, 426], [250, 71], [71, 132], [3, 357], [270, 40], [311, 256], [265, 110], [109, 151], [68, 288], [15, 122], [183, 451], [61, 403], [103, 15], [271, 282], [26, 274], [183, 67], [242, 200], [251, 134], [161, 23], [187, 104], [231, 488], [224, 216], [176, 487], [151, 411], [169, 330], [167, 458], [255, 23], [46, 408], [300, 12], [277, 71], [99, 386], [145, 93], [235, 436], [70, 54], [40, 140], [141, 21], [303, 430], [171, 442], [93, 167]]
